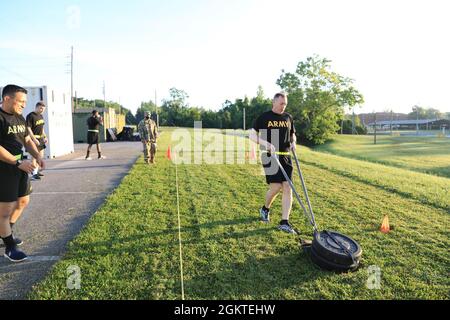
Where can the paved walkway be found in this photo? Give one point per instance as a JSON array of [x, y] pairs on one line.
[[61, 204]]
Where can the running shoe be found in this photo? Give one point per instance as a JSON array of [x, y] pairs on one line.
[[15, 255], [264, 214], [287, 228]]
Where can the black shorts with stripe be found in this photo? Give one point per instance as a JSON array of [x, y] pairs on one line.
[[41, 145], [92, 137], [15, 183], [272, 169]]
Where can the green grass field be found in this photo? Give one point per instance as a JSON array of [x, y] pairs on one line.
[[422, 154], [130, 248]]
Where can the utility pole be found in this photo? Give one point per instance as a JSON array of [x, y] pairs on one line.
[[244, 119], [71, 80], [104, 95], [375, 130], [392, 119], [417, 124], [156, 108]]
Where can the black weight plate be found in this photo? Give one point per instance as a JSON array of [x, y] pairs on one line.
[[335, 261], [327, 248], [330, 266]]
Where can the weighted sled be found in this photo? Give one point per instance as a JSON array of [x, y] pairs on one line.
[[329, 265], [345, 253], [330, 250]]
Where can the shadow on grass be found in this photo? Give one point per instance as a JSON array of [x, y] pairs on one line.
[[117, 245], [439, 171], [220, 277], [86, 168], [379, 186], [262, 279], [265, 278]]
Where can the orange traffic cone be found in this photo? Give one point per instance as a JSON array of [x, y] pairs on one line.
[[385, 228], [169, 153], [253, 154]]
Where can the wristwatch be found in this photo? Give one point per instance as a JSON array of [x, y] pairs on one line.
[[18, 163]]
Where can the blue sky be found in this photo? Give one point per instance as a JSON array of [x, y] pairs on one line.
[[215, 50]]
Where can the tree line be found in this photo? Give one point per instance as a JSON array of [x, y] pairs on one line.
[[317, 100], [423, 113], [100, 104]]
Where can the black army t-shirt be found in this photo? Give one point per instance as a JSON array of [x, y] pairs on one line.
[[13, 131], [36, 123], [276, 129], [93, 123]]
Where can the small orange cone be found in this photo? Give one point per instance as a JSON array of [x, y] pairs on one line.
[[169, 153], [253, 154], [385, 228]]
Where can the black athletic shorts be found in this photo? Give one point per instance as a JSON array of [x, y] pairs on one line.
[[14, 184], [273, 171], [41, 145], [92, 137]]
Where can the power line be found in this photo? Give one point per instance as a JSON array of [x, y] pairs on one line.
[[36, 65], [34, 58], [16, 74]]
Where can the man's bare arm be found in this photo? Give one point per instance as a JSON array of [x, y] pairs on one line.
[[254, 136], [32, 149], [6, 156], [31, 135]]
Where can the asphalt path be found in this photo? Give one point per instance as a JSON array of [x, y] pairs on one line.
[[61, 203]]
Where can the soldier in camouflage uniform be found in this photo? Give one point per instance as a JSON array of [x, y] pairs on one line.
[[148, 133]]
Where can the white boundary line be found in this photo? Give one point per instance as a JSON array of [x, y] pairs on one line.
[[179, 234], [68, 192], [43, 258]]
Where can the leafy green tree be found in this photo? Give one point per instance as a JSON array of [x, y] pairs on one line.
[[175, 111], [434, 114], [145, 107], [317, 98], [210, 119], [81, 103], [348, 127], [418, 113], [260, 96], [232, 114]]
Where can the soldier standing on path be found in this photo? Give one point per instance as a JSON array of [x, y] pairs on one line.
[[148, 133], [15, 187], [35, 124], [94, 122]]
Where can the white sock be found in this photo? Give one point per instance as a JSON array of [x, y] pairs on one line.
[[35, 171]]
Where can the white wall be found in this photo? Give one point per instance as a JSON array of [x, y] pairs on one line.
[[59, 125]]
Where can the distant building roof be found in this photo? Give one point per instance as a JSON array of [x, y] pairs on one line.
[[89, 110], [404, 122]]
